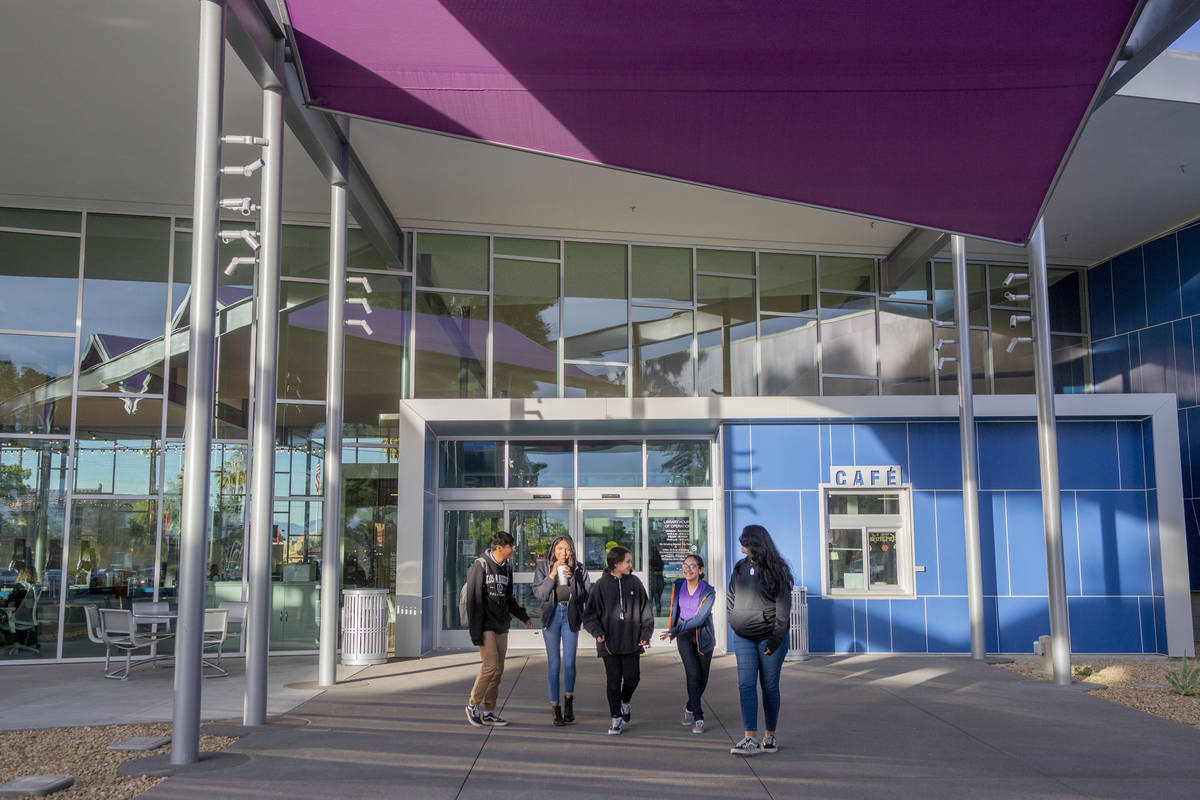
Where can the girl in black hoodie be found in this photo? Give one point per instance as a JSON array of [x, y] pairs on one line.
[[618, 615]]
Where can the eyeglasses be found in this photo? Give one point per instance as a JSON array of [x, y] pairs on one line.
[[690, 566]]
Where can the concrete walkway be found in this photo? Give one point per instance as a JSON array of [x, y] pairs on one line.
[[852, 727]]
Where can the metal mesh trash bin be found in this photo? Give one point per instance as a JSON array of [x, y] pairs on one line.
[[798, 643], [364, 626]]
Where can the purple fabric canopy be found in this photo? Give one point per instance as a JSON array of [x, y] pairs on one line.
[[949, 114]]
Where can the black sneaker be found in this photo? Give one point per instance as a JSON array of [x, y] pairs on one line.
[[746, 747], [769, 745], [625, 712], [494, 719], [473, 716]]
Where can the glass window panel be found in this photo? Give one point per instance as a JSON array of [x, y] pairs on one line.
[[725, 321], [467, 535], [38, 220], [848, 273], [881, 555], [361, 254], [847, 334], [451, 345], [541, 464], [525, 329], [661, 274], [375, 362], [110, 562], [913, 284], [606, 528], [530, 248], [662, 349], [1012, 372], [596, 313], [845, 551], [369, 479], [39, 276], [837, 503], [233, 291], [787, 282], [304, 252], [117, 440], [675, 534], [299, 449], [1065, 295], [471, 465], [33, 490], [295, 573], [678, 463], [35, 383], [610, 463], [977, 294], [303, 341], [1072, 367], [593, 380], [125, 267], [732, 262], [850, 387], [948, 375], [788, 346], [905, 348], [449, 261], [533, 531]]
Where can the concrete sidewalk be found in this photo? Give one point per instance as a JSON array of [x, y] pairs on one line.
[[851, 727]]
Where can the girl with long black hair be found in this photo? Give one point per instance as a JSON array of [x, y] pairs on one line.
[[760, 608], [562, 584]]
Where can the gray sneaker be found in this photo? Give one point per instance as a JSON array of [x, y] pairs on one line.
[[769, 745], [626, 713], [698, 727], [688, 717], [618, 725], [746, 747]]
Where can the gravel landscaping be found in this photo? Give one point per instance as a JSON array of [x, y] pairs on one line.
[[84, 753], [1129, 681]]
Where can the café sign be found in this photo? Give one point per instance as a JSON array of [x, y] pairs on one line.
[[873, 477]]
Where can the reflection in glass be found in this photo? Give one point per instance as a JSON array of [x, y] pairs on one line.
[[541, 463], [661, 274], [35, 383], [730, 262], [662, 350], [881, 555], [1012, 372], [674, 535], [977, 294], [726, 334], [581, 379], [911, 285], [525, 329], [125, 282], [38, 220], [905, 348], [595, 310], [471, 465], [948, 375], [604, 529], [849, 387], [299, 449], [847, 335], [610, 463], [530, 248], [1072, 367], [678, 463], [450, 261], [375, 363], [845, 552], [788, 346], [295, 573], [838, 503], [369, 484], [1065, 292], [452, 331], [33, 476], [787, 282], [534, 530], [466, 535], [303, 342], [304, 252], [38, 279], [361, 254], [847, 273], [117, 445]]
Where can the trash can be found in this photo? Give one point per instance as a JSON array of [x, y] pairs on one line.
[[364, 626], [798, 643]]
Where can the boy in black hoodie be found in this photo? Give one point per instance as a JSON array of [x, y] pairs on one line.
[[490, 605]]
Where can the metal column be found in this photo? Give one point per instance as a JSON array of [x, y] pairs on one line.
[[189, 639], [262, 474], [966, 431], [331, 543], [1060, 630]]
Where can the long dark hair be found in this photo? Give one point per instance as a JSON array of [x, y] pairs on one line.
[[571, 562], [771, 565]]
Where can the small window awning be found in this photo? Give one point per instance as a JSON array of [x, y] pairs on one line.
[[948, 114]]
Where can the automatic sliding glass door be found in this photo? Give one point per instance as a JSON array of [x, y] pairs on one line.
[[534, 528]]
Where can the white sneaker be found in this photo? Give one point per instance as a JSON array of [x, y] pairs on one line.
[[688, 717], [617, 726], [698, 727], [746, 747], [626, 713]]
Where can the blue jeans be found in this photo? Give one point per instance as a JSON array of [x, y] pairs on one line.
[[754, 666], [558, 631]]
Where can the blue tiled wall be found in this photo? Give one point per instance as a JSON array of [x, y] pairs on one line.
[[1114, 580], [1144, 315]]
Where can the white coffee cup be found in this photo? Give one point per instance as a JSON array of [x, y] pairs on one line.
[[563, 573]]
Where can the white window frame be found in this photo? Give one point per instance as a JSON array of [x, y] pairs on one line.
[[903, 523]]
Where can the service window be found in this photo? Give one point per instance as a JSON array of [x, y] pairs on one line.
[[867, 544]]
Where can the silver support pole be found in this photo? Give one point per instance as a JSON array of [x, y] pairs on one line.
[[262, 474], [1060, 630], [189, 637], [966, 431], [331, 543]]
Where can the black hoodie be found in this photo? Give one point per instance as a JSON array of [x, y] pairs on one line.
[[490, 601], [619, 610], [758, 611]]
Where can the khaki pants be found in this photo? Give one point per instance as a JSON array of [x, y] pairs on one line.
[[487, 685]]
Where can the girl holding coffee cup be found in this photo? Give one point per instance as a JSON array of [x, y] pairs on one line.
[[562, 584]]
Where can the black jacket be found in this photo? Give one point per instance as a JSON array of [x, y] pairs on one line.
[[544, 583], [758, 611], [490, 601], [604, 614]]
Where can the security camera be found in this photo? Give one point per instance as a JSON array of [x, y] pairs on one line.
[[1012, 276], [245, 171], [241, 204], [1016, 319]]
